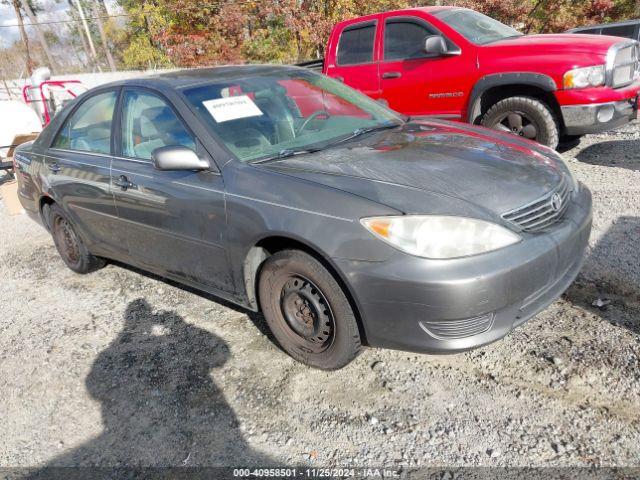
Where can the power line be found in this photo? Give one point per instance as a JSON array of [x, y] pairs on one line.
[[66, 21]]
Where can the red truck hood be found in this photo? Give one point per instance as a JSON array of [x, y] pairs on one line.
[[561, 42]]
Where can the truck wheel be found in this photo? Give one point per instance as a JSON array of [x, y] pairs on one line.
[[71, 248], [526, 117], [307, 311]]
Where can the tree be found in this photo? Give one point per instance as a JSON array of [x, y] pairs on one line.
[[23, 36], [29, 10]]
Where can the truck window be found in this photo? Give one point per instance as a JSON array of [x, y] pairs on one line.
[[356, 44], [404, 39], [590, 31], [626, 31]]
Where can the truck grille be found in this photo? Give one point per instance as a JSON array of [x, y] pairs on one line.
[[544, 212], [624, 67]]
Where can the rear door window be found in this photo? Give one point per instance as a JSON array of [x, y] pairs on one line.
[[626, 31], [590, 31], [88, 129], [356, 44]]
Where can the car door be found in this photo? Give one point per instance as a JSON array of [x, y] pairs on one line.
[[77, 173], [355, 58], [415, 83], [175, 220]]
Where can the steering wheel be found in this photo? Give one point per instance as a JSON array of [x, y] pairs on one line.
[[314, 115]]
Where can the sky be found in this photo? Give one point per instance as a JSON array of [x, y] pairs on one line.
[[53, 10]]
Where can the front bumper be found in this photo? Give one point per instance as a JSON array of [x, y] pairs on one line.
[[448, 306], [598, 117]]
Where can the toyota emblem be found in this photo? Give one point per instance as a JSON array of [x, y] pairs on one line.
[[556, 202]]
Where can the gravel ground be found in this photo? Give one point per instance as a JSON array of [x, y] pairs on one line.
[[122, 368]]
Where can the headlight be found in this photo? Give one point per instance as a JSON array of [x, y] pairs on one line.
[[440, 237], [584, 77]]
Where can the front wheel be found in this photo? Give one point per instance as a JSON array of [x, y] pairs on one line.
[[526, 117], [307, 311]]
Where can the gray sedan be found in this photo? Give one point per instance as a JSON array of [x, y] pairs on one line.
[[289, 193]]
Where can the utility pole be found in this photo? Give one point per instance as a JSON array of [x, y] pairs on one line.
[[23, 36], [92, 47], [97, 12]]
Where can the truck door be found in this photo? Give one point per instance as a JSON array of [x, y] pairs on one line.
[[353, 60], [415, 83]]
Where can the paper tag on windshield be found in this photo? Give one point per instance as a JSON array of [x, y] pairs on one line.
[[231, 108]]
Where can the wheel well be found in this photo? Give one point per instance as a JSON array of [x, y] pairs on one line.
[[491, 96], [270, 245], [45, 204]]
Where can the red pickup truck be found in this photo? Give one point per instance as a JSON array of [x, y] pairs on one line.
[[458, 64]]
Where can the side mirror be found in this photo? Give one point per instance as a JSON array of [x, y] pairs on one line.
[[176, 157], [435, 45]]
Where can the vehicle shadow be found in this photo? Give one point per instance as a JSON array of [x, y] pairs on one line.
[[611, 276], [256, 318], [614, 153], [160, 404]]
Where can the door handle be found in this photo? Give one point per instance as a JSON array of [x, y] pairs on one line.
[[54, 167], [123, 182], [391, 75]]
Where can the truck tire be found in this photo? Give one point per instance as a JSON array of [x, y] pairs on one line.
[[70, 246], [526, 117], [307, 311]]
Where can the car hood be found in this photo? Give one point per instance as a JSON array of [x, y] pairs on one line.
[[413, 167], [560, 43]]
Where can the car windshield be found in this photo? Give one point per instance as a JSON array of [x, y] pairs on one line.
[[476, 27], [285, 111]]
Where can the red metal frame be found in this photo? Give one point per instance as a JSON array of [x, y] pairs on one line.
[[43, 99]]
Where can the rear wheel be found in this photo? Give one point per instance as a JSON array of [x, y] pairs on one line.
[[71, 248], [526, 117], [307, 311]]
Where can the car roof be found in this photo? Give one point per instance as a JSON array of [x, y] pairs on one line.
[[179, 79]]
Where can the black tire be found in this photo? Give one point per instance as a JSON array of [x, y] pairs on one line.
[[70, 246], [307, 311], [537, 121]]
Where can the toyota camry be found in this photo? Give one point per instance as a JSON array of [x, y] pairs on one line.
[[289, 193]]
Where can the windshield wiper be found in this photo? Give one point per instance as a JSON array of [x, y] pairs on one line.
[[284, 153], [358, 132], [290, 152]]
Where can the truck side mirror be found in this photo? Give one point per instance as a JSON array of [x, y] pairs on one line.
[[435, 45]]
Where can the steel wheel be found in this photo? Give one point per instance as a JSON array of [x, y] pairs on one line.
[[66, 240], [308, 314], [69, 244], [307, 310]]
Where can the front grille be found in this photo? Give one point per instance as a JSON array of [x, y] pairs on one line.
[[625, 67], [452, 329], [544, 212]]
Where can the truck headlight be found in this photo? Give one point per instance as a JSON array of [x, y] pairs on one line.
[[440, 237], [584, 77]]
